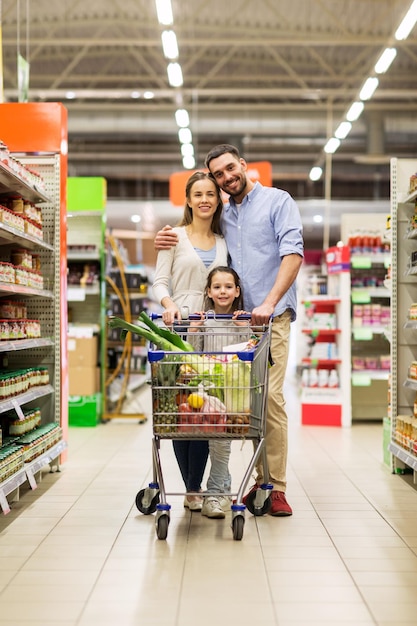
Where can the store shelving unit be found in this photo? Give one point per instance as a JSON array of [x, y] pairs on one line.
[[86, 288], [326, 405], [404, 294], [22, 127], [126, 360], [370, 342]]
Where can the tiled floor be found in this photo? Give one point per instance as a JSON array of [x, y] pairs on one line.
[[76, 551]]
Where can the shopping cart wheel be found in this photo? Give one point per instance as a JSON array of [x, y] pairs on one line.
[[162, 523], [143, 504], [238, 524], [257, 510]]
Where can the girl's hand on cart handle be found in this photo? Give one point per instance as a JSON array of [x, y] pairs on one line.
[[241, 318], [196, 322]]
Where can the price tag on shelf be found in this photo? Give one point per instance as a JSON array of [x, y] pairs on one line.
[[361, 262], [361, 380], [18, 409], [363, 334], [361, 297]]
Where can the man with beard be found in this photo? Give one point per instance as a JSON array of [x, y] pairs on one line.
[[263, 232]]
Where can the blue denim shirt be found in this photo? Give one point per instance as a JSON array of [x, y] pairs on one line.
[[266, 228]]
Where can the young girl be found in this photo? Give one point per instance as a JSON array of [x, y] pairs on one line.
[[223, 295]]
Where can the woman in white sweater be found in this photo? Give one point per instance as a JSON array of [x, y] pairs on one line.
[[180, 278]]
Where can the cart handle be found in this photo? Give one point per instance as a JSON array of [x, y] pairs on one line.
[[208, 315]]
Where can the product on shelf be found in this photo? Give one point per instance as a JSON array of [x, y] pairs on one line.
[[413, 183]]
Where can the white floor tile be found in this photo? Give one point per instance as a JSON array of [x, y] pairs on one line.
[[77, 552]]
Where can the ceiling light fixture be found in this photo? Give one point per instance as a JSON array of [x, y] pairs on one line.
[[148, 95], [164, 12], [317, 219], [169, 44], [332, 145], [188, 162], [385, 60], [135, 219], [70, 95], [408, 23], [135, 94], [315, 173], [187, 149], [182, 118], [185, 136], [354, 111], [343, 130], [175, 74], [368, 88]]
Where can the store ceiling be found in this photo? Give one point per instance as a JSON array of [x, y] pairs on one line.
[[273, 76]]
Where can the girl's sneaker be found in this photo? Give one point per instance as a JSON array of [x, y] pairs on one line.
[[225, 503], [212, 508]]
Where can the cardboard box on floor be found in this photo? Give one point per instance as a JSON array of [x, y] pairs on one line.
[[82, 351], [83, 381]]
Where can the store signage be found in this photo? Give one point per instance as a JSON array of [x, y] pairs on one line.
[[260, 171], [338, 259]]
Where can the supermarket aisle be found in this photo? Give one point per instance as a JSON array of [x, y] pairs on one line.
[[76, 552]]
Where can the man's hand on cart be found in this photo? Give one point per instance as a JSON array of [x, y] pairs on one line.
[[262, 314]]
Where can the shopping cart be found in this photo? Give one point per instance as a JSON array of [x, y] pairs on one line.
[[218, 391]]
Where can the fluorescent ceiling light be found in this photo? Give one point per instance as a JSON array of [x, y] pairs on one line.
[[315, 173], [148, 95], [188, 162], [135, 219], [164, 12], [343, 130], [332, 145], [355, 111], [187, 149], [182, 118], [169, 44], [70, 95], [185, 136], [317, 219], [408, 23], [385, 60], [368, 88], [174, 74]]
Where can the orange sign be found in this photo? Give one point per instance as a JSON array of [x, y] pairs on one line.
[[260, 171]]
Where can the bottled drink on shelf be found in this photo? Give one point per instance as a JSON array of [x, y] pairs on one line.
[[333, 379]]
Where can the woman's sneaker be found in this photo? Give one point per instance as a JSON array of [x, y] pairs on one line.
[[212, 508]]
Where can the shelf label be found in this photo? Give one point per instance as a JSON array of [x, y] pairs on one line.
[[361, 262], [361, 297], [18, 409], [76, 294], [361, 380], [363, 334]]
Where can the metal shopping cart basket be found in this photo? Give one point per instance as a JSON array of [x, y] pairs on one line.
[[218, 391]]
